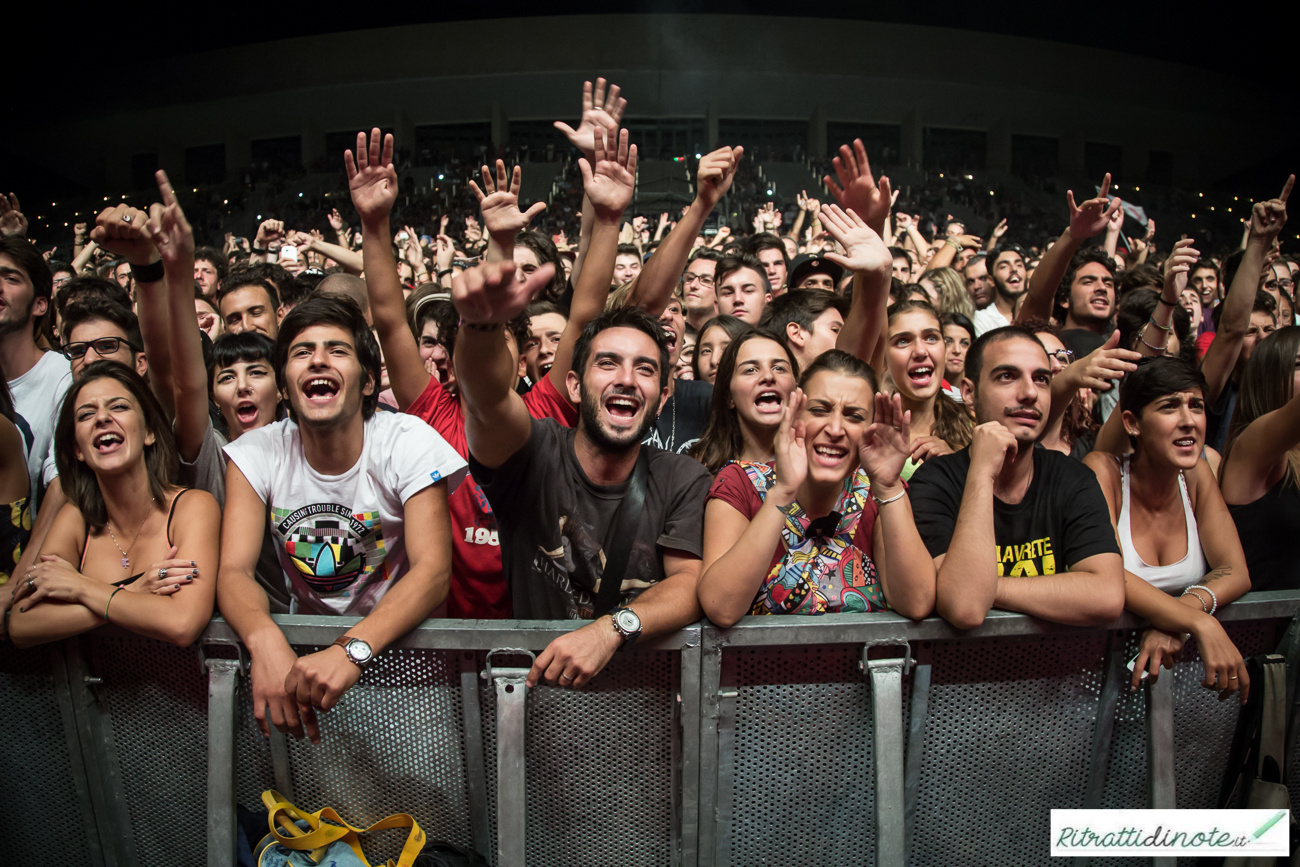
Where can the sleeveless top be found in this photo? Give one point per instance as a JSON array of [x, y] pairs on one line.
[[822, 570], [81, 564], [1268, 531], [1174, 577]]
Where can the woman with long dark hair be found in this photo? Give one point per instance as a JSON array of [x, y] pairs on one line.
[[1260, 472], [127, 525], [826, 527], [714, 337], [756, 374], [1182, 557]]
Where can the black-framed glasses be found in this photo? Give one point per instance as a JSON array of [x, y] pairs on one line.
[[1064, 356], [104, 346], [705, 280]]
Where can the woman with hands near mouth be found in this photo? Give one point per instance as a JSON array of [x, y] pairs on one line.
[[827, 527]]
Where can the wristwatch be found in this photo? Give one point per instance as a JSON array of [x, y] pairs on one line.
[[627, 624], [358, 651]]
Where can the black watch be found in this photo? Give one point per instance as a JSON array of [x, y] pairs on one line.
[[627, 624]]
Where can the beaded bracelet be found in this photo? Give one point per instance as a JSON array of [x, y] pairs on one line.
[[1159, 349], [1213, 599], [1161, 327]]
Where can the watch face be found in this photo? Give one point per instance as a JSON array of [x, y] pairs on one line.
[[628, 621], [358, 651]]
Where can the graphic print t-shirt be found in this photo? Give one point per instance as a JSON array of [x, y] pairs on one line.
[[1062, 519], [554, 522], [682, 420], [341, 539]]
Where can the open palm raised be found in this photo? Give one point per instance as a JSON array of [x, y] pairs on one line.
[[610, 180], [372, 180]]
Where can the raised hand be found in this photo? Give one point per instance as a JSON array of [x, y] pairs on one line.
[[611, 177], [863, 248], [857, 190], [499, 202], [473, 231], [1000, 229], [902, 221], [1268, 218], [442, 223], [791, 452], [1116, 222], [1094, 215], [12, 221], [884, 447], [489, 293], [268, 231], [1178, 266], [167, 226], [414, 253], [715, 174], [807, 202], [446, 251], [335, 218], [1105, 363], [79, 232], [639, 224], [372, 180], [600, 110], [124, 231]]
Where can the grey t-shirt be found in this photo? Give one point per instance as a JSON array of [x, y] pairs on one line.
[[207, 472]]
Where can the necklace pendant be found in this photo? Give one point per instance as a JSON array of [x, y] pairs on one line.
[[126, 562]]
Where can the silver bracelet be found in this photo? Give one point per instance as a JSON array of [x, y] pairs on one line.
[[1214, 599], [880, 502]]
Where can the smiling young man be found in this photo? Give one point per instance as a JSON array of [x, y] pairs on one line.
[[742, 288], [337, 485], [556, 491], [546, 324], [1011, 525], [1006, 268], [698, 287], [810, 319], [249, 302]]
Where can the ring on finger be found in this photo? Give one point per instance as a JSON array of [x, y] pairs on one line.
[[566, 678], [162, 573], [126, 218]]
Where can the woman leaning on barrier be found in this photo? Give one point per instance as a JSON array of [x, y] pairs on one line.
[[827, 527], [1261, 463], [1182, 557], [118, 464]]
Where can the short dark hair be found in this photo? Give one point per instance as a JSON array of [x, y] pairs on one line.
[[28, 258], [767, 241], [1155, 378], [975, 355], [705, 253], [243, 277], [839, 361], [78, 480], [231, 348], [958, 319], [335, 310], [89, 286], [210, 254], [300, 287], [802, 307], [622, 317], [1144, 276], [992, 257], [101, 310], [628, 250], [57, 265], [728, 265], [1086, 256]]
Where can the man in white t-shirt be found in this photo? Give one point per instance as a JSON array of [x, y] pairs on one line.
[[338, 485]]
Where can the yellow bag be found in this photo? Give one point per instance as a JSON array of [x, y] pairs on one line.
[[283, 821]]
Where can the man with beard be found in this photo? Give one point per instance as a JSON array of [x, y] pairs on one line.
[[1009, 525], [556, 491], [1085, 301], [978, 282], [1006, 269]]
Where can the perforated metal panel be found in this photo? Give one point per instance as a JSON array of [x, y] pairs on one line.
[[253, 771], [803, 785], [43, 816], [1007, 738], [392, 745], [157, 702], [599, 766]]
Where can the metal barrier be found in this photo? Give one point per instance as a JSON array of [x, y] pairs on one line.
[[784, 740]]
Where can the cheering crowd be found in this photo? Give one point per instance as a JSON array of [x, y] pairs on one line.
[[856, 410]]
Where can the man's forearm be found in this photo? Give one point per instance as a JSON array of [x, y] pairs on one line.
[[1071, 598], [404, 607], [654, 285], [348, 260], [246, 608], [1047, 276], [967, 580], [669, 605]]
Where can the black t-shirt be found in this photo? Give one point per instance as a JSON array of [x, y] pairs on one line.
[[683, 417], [1219, 417], [1062, 520], [553, 522], [1081, 341]]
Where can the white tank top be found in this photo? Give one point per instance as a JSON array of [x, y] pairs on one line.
[[1175, 577]]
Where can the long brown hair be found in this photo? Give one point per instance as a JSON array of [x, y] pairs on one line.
[[80, 485], [722, 440], [953, 422], [1266, 385]]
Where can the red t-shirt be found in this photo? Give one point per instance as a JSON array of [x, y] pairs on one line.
[[734, 488], [478, 588]]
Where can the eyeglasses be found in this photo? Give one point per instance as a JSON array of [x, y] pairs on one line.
[[103, 347], [705, 280], [1064, 356]]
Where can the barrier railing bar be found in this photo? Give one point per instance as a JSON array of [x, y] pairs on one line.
[[280, 770], [886, 677], [710, 678], [85, 801], [727, 693], [1160, 751], [475, 773], [223, 677], [99, 754], [1104, 731], [688, 728], [920, 710], [512, 725]]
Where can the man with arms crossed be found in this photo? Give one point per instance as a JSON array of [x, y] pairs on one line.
[[1010, 525]]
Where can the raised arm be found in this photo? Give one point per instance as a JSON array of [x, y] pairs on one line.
[[1095, 370], [608, 180], [1086, 221], [1266, 222], [602, 109], [497, 423], [174, 239], [1254, 463], [499, 201], [869, 260], [372, 181], [654, 285], [1154, 336], [857, 190], [349, 260]]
